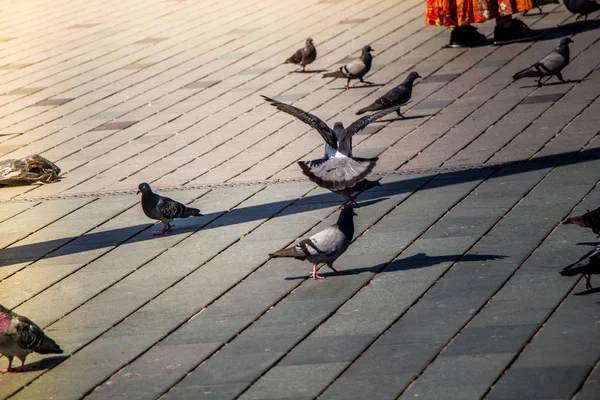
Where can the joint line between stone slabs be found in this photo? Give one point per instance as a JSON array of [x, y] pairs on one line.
[[502, 286], [587, 377], [511, 362], [19, 213], [137, 309]]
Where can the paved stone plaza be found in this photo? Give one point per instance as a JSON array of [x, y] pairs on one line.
[[452, 287]]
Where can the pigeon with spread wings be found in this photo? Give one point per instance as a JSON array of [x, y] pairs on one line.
[[337, 169]]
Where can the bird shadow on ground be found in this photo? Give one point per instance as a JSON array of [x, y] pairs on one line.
[[593, 244], [552, 84], [312, 71], [406, 117], [109, 238], [566, 30], [588, 291], [45, 363], [360, 87], [419, 260]]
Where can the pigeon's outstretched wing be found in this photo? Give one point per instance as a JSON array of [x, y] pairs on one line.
[[362, 122], [337, 173], [312, 120]]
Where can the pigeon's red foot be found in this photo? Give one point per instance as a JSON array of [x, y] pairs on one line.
[[165, 229], [5, 370], [314, 275], [306, 69], [348, 86]]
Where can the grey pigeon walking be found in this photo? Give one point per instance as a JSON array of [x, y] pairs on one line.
[[359, 188], [355, 69], [581, 7], [590, 219], [304, 56], [20, 336], [338, 169], [549, 66], [398, 96], [587, 265], [325, 246], [163, 208]]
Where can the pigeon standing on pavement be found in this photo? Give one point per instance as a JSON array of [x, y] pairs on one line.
[[355, 69], [163, 209], [359, 188], [338, 169], [590, 219], [581, 7], [304, 56], [586, 265], [551, 65], [325, 246], [398, 96], [20, 336]]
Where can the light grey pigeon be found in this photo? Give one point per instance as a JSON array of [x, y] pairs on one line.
[[304, 56], [591, 219], [337, 170], [587, 265], [398, 96], [163, 208], [550, 66], [581, 7], [355, 69], [359, 188], [20, 336], [325, 246]]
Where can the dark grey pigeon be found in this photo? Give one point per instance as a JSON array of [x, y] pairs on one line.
[[539, 3], [581, 7], [587, 265], [355, 69], [163, 208], [550, 66], [398, 96], [359, 188], [304, 56], [590, 219], [20, 336], [325, 246], [338, 169]]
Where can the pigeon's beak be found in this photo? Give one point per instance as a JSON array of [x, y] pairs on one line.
[[419, 76], [138, 192]]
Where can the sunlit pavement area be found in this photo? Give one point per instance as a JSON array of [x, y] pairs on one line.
[[451, 288]]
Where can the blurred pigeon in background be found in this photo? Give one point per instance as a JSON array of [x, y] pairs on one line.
[[304, 56], [20, 336], [398, 96], [325, 246], [551, 65], [581, 7], [355, 69], [163, 209]]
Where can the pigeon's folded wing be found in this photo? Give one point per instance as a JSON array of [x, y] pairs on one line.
[[553, 62], [29, 335], [312, 120], [328, 241], [355, 68], [169, 208]]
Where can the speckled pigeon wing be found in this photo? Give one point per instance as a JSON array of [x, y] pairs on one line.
[[169, 208]]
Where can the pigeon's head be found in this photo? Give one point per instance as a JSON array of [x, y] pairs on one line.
[[367, 49], [413, 75], [338, 126], [565, 41], [144, 188], [309, 41]]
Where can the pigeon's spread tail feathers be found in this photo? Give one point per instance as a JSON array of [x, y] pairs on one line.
[[191, 212], [335, 74], [49, 346], [575, 220], [337, 173]]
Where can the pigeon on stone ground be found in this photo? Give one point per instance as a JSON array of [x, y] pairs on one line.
[[549, 66], [355, 69], [163, 208], [590, 219], [398, 96], [20, 336], [359, 188], [539, 3], [304, 56], [337, 170], [581, 7], [325, 246], [586, 265]]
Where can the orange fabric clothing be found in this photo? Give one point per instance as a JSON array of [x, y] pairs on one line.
[[454, 13]]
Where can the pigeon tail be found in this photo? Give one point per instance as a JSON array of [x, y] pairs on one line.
[[372, 107], [191, 212], [295, 59], [575, 220], [290, 252], [337, 173], [335, 74], [48, 346], [528, 72]]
